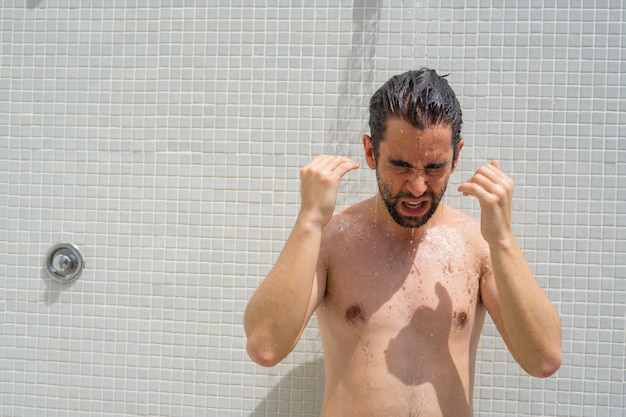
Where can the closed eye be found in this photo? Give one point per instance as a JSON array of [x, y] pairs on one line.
[[438, 168], [398, 163], [400, 166], [434, 169]]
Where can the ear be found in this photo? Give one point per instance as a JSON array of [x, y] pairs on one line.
[[458, 153], [369, 152]]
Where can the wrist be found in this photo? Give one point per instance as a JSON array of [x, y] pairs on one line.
[[311, 221], [504, 242]]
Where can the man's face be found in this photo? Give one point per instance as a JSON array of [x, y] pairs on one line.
[[412, 169]]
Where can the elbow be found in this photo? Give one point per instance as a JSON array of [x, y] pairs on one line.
[[552, 357], [552, 365], [548, 357], [260, 345], [548, 366], [263, 353], [266, 345], [263, 357]]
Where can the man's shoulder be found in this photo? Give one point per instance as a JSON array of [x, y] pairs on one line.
[[354, 214], [456, 217], [350, 224], [466, 226]]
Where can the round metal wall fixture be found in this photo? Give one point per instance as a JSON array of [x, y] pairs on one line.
[[64, 262]]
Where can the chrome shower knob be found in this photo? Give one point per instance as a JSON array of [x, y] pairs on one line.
[[64, 262]]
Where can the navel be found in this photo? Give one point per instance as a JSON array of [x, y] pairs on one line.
[[355, 314]]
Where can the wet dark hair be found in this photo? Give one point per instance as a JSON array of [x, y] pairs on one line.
[[422, 98]]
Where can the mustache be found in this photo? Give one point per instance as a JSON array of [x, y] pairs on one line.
[[427, 194]]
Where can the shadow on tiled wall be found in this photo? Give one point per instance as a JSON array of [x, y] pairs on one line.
[[299, 393]]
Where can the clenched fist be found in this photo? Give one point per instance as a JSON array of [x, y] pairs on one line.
[[494, 191], [320, 183]]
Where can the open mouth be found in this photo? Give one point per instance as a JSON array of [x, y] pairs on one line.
[[413, 205], [414, 208]]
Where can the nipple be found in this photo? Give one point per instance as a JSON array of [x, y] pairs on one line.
[[354, 314], [460, 319]]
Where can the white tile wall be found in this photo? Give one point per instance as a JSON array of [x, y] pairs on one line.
[[164, 139]]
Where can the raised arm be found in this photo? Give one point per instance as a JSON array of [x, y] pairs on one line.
[[281, 307], [525, 317]]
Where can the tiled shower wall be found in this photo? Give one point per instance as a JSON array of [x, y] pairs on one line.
[[164, 140]]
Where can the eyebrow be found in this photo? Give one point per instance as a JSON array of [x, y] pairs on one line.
[[400, 163], [404, 164]]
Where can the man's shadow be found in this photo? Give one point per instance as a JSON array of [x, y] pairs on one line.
[[299, 393], [447, 383]]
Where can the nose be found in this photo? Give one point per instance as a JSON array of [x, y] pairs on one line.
[[417, 183]]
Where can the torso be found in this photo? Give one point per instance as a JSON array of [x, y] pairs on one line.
[[401, 317]]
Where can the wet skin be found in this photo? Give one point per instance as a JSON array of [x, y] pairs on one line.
[[401, 315], [401, 283], [400, 321]]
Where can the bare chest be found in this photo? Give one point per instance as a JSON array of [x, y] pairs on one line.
[[433, 288]]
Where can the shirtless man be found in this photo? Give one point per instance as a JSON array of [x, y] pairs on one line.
[[399, 282]]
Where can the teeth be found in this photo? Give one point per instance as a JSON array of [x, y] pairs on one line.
[[413, 205]]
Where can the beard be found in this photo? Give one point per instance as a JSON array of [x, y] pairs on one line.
[[392, 201]]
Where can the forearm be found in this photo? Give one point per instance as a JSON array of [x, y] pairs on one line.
[[283, 303], [279, 309], [531, 323]]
